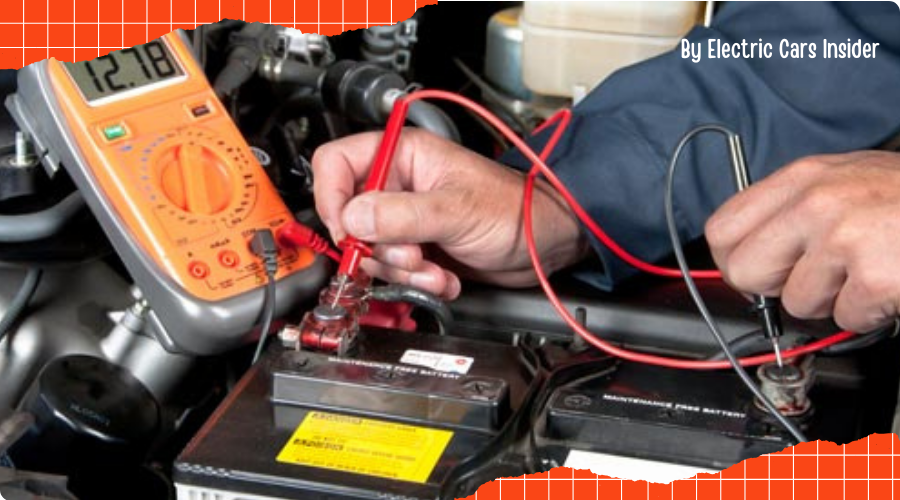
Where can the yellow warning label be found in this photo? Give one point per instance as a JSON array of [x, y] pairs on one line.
[[364, 446]]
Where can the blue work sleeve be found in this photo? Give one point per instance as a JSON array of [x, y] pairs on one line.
[[614, 156]]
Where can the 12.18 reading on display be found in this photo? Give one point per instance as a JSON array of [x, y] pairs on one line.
[[124, 70]]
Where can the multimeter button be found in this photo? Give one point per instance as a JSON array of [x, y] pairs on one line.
[[198, 270], [201, 110], [114, 132], [229, 258]]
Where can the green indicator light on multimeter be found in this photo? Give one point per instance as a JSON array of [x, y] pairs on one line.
[[114, 132]]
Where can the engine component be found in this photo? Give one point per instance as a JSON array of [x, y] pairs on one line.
[[18, 484], [390, 46], [430, 117], [308, 47], [358, 90], [87, 412], [17, 306], [396, 419], [503, 54], [39, 225], [71, 319], [280, 70], [567, 37], [12, 428], [72, 316], [182, 232], [368, 92], [126, 345], [18, 170], [248, 46]]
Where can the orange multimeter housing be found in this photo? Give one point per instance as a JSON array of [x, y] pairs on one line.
[[170, 177], [177, 170]]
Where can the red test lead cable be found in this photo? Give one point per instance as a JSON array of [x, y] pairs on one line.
[[378, 176], [295, 234], [563, 117], [354, 250]]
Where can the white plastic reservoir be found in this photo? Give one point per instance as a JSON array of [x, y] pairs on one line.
[[570, 47]]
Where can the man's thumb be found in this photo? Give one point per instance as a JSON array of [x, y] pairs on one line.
[[402, 217]]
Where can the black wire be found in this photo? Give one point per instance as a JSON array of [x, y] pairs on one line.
[[396, 292], [20, 301], [268, 315], [860, 341], [263, 245], [692, 286], [749, 342], [754, 342], [490, 94]]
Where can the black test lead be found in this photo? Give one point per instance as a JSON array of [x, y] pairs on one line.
[[768, 308]]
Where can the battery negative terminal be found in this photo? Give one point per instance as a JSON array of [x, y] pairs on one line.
[[787, 386]]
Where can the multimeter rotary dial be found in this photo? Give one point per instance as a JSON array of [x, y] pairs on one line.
[[194, 177]]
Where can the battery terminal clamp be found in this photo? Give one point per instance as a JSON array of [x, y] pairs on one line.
[[787, 386]]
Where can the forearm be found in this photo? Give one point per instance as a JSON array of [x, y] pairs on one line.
[[614, 156]]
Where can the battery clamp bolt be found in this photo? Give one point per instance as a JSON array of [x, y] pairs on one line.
[[290, 337], [23, 156], [480, 388]]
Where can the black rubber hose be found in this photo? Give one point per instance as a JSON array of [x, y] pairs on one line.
[[860, 342], [404, 293], [431, 118], [242, 61], [18, 304], [240, 67], [291, 72], [39, 225]]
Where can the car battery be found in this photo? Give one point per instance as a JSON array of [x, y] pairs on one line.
[[404, 413], [702, 420], [391, 420]]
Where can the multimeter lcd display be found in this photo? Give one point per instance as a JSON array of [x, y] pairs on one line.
[[124, 70]]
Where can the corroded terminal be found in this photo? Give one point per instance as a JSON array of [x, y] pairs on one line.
[[328, 328], [787, 386], [352, 296]]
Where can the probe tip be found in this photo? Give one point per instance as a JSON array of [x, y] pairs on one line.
[[776, 346]]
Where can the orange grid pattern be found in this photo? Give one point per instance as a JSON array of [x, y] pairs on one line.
[[865, 469], [32, 30]]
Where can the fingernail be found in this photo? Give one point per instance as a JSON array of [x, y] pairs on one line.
[[359, 218], [398, 257], [424, 281], [454, 287]]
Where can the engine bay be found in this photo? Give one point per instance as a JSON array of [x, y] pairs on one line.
[[173, 332]]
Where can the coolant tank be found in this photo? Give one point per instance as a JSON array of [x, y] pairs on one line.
[[503, 58], [568, 48]]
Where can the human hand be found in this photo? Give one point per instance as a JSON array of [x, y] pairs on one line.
[[465, 209], [821, 233]]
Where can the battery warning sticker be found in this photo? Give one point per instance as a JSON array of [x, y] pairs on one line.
[[365, 446], [438, 361]]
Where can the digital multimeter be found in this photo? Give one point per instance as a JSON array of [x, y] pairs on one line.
[[173, 183]]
